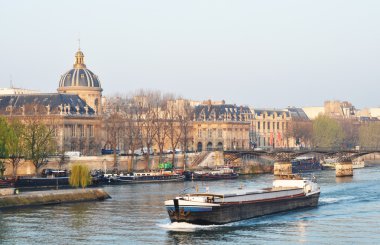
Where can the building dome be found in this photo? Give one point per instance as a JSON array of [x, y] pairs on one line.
[[79, 76]]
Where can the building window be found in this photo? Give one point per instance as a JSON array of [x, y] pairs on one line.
[[91, 130], [258, 125], [220, 133], [199, 133], [278, 126], [209, 132], [263, 125], [72, 130], [283, 125], [81, 130], [55, 131], [268, 126]]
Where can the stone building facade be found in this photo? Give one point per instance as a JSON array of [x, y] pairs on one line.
[[221, 126], [269, 127]]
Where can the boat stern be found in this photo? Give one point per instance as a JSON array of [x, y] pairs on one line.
[[180, 210]]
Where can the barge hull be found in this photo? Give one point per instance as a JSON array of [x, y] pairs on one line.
[[232, 212], [147, 180]]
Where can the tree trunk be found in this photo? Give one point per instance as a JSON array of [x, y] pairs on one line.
[[173, 157]]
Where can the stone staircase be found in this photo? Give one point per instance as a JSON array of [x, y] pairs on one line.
[[200, 158]]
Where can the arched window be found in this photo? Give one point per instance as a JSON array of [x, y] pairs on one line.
[[220, 146], [96, 104], [199, 146], [209, 146]]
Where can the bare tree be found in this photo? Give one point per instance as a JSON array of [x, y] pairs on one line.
[[174, 127], [131, 131], [114, 127], [186, 127], [39, 141], [145, 102], [301, 131], [161, 129]]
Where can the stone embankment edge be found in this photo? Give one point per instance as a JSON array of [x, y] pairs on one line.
[[51, 197]]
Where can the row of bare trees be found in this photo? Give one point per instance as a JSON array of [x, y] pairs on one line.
[[326, 132], [148, 122]]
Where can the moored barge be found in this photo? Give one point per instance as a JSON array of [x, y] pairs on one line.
[[220, 208], [144, 177], [215, 174]]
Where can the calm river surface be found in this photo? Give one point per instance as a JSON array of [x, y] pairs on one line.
[[348, 213]]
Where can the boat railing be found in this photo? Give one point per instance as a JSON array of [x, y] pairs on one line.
[[290, 177]]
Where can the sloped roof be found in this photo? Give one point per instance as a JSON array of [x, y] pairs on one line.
[[55, 102], [221, 112], [270, 112], [298, 113]]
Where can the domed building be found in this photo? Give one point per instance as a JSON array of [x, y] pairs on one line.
[[83, 82], [74, 113]]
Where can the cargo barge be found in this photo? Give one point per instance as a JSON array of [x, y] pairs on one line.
[[220, 208]]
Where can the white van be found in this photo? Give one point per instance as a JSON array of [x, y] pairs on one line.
[[72, 154]]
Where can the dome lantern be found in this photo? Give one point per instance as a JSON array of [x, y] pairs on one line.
[[79, 60]]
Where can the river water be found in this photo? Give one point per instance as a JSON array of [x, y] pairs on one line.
[[348, 213]]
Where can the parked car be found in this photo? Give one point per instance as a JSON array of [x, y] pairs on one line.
[[72, 154], [143, 151], [171, 151], [109, 152]]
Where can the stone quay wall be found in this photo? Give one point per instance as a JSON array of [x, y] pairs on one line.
[[37, 198], [105, 162]]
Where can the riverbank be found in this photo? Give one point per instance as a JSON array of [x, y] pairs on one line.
[[38, 198]]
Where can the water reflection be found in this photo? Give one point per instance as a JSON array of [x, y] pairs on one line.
[[346, 179], [4, 228], [79, 216]]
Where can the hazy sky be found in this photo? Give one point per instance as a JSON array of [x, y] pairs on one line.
[[259, 53]]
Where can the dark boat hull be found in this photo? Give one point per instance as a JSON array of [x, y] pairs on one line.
[[42, 182], [147, 179], [306, 166], [214, 177], [231, 212], [206, 177]]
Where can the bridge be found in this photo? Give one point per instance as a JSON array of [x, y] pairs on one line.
[[283, 157]]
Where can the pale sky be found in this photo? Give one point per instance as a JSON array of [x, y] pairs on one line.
[[259, 53]]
